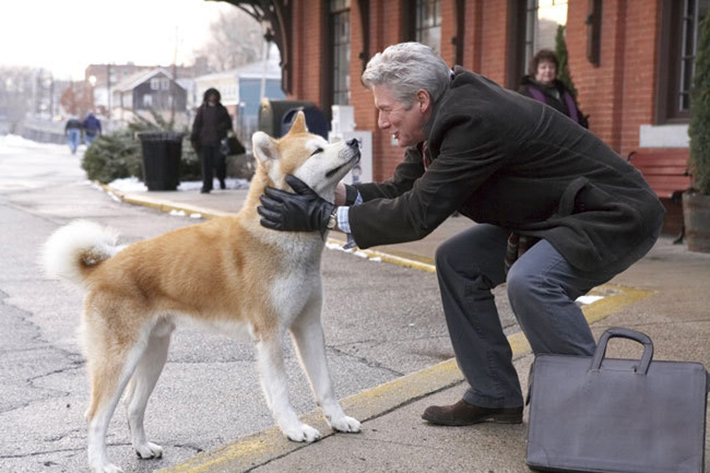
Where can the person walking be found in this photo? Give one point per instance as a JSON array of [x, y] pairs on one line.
[[92, 128], [518, 169], [210, 127], [72, 133], [542, 85]]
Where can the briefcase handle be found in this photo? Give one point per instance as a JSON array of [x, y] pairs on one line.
[[621, 332]]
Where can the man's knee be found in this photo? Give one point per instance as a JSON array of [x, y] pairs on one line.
[[523, 285], [443, 255]]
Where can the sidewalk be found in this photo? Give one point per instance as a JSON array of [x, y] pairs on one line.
[[666, 295]]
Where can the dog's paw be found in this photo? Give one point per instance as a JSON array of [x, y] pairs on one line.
[[304, 433], [345, 424], [149, 450]]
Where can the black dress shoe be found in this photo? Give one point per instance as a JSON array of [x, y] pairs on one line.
[[205, 191], [463, 413]]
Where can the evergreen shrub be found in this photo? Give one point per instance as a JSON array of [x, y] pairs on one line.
[[699, 128], [119, 155]]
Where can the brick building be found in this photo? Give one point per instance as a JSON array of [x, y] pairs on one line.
[[631, 60]]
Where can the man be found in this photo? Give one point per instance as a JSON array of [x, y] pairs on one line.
[[72, 132], [212, 122], [92, 128], [529, 176]]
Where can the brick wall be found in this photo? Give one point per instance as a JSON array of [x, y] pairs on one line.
[[619, 94]]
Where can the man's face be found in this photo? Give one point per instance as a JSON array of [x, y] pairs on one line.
[[406, 126]]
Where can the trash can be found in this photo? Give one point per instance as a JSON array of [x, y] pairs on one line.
[[161, 159]]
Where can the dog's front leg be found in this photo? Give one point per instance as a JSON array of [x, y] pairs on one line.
[[308, 337], [274, 382]]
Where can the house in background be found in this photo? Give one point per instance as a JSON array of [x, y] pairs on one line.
[[631, 61], [144, 91], [241, 91], [103, 78]]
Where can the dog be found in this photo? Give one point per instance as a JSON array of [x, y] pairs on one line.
[[229, 273]]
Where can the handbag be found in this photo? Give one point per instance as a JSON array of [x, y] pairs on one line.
[[230, 146], [597, 414]]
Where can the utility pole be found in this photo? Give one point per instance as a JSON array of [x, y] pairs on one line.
[[108, 88], [173, 86]]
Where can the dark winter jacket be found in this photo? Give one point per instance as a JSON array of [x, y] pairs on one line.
[[211, 122], [72, 123], [92, 125], [556, 96], [501, 158]]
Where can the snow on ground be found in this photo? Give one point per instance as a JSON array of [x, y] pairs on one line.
[[132, 184], [9, 144]]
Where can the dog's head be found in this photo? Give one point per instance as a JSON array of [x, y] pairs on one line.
[[309, 157]]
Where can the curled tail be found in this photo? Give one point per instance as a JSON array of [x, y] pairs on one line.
[[73, 251]]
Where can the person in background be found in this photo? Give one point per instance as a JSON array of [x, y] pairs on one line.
[[211, 125], [72, 132], [516, 168], [92, 128], [542, 85]]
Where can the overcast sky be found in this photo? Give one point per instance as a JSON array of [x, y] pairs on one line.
[[65, 36]]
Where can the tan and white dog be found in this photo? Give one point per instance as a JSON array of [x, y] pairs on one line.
[[230, 273]]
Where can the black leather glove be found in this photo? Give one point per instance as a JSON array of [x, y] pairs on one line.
[[304, 211]]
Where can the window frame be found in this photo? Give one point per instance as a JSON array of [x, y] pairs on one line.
[[672, 44], [420, 26], [339, 13]]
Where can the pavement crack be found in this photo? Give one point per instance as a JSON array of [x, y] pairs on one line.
[[40, 453], [365, 361]]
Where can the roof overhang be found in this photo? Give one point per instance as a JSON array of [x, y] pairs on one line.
[[275, 17]]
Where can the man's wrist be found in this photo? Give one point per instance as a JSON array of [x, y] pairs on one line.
[[332, 219]]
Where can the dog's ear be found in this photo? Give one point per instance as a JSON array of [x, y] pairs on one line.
[[264, 147], [299, 124]]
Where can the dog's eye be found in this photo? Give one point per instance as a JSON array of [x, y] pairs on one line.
[[317, 150]]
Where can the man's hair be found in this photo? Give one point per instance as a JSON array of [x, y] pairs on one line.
[[543, 55], [405, 68]]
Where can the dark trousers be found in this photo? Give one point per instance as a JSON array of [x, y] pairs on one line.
[[542, 288], [212, 159]]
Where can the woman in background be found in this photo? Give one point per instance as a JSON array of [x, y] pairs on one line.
[[542, 85]]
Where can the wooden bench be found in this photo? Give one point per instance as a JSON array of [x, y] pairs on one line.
[[666, 172]]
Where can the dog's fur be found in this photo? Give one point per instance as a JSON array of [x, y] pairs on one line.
[[230, 273]]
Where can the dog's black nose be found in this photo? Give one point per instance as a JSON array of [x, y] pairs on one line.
[[353, 143]]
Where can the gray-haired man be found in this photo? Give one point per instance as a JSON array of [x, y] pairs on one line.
[[529, 176]]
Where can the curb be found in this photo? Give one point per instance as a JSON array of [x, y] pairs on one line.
[[262, 447]]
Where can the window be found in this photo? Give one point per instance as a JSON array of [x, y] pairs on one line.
[[165, 83], [533, 26], [340, 13], [678, 47], [147, 101], [427, 26]]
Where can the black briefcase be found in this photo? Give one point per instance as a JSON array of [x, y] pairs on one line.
[[597, 414]]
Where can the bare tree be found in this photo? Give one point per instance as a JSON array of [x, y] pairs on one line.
[[77, 99], [16, 92], [236, 39]]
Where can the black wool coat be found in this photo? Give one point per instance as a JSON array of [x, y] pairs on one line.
[[501, 158], [209, 132]]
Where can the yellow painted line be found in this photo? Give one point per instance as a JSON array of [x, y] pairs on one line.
[[259, 448], [264, 446], [163, 205], [390, 258]]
